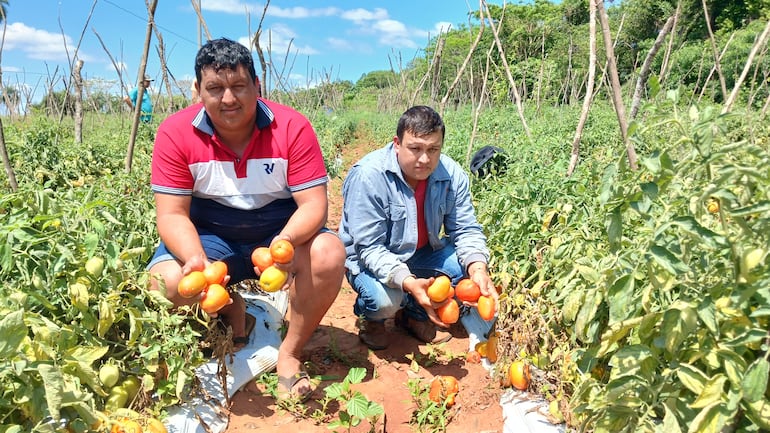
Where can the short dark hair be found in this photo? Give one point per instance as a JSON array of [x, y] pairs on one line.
[[420, 120], [223, 53]]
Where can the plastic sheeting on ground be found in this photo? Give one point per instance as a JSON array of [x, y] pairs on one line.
[[260, 355]]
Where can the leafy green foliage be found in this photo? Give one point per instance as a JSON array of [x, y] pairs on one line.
[[658, 278], [354, 406], [74, 296]]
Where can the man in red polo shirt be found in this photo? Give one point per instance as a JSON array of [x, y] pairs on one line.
[[236, 172]]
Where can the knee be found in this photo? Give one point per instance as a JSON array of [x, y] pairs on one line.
[[385, 311], [327, 255]]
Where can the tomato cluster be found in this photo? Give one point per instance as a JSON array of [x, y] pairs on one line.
[[209, 282], [271, 277]]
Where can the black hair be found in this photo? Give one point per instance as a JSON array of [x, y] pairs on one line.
[[420, 120], [223, 53]]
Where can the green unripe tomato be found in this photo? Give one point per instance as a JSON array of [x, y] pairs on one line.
[[131, 385], [109, 375], [117, 399], [95, 266]]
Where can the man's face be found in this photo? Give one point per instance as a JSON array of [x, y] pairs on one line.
[[418, 157], [230, 97]]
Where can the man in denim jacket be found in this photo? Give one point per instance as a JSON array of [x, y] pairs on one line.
[[408, 218]]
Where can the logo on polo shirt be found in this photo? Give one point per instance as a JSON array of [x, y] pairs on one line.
[[269, 167]]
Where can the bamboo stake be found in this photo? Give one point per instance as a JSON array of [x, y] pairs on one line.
[[3, 148], [575, 154], [644, 72], [758, 45], [140, 90], [508, 74], [471, 50], [617, 97], [717, 65]]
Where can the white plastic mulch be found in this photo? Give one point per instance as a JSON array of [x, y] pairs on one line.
[[260, 355]]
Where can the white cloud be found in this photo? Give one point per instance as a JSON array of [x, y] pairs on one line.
[[360, 15], [37, 44], [301, 12], [280, 38], [393, 33], [239, 7]]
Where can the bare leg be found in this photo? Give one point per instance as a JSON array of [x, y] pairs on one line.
[[320, 267]]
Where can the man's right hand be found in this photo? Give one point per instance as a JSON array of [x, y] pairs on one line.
[[418, 288]]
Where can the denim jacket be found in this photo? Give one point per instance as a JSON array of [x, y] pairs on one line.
[[379, 219]]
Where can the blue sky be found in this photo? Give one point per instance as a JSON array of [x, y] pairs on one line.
[[338, 39]]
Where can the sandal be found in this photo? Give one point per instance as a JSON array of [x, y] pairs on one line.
[[289, 382]]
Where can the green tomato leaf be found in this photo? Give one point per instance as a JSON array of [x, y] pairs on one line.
[[712, 392], [12, 332], [667, 260], [755, 380], [691, 377], [53, 382]]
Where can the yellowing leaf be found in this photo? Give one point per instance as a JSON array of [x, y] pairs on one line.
[[712, 392]]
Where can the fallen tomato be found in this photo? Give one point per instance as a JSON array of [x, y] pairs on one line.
[[518, 375], [443, 390]]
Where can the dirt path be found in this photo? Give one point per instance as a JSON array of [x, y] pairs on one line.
[[335, 348]]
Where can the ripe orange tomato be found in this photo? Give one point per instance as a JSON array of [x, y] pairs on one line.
[[261, 258], [518, 374], [439, 290], [449, 313], [713, 206], [155, 426], [467, 290], [214, 298], [486, 307], [216, 272], [126, 426], [473, 357], [282, 251], [444, 389], [191, 284]]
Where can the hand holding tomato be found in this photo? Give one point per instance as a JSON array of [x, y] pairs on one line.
[[418, 288]]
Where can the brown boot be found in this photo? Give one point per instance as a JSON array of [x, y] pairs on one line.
[[372, 334], [426, 331]]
